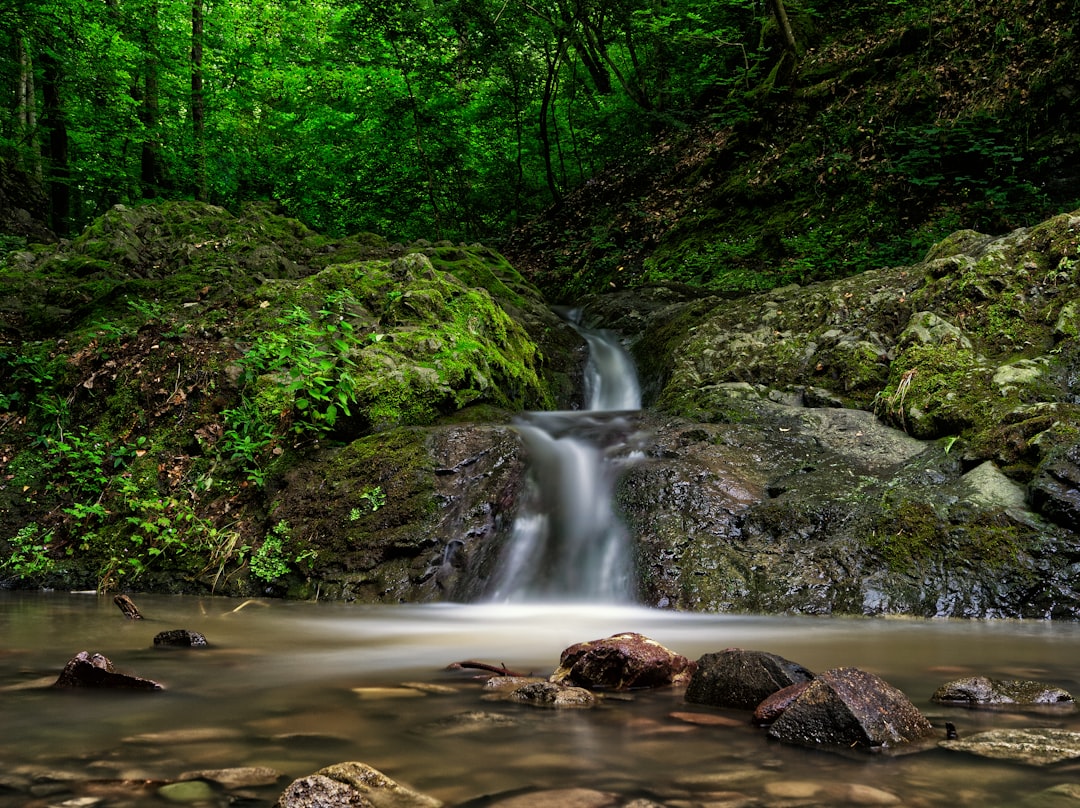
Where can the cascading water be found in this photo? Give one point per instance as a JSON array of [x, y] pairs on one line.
[[567, 543]]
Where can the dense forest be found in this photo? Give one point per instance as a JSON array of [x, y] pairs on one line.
[[731, 144]]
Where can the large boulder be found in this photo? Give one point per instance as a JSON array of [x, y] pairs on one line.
[[981, 691], [740, 679], [622, 662], [849, 707]]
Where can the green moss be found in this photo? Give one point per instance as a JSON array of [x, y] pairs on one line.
[[912, 538], [936, 391]]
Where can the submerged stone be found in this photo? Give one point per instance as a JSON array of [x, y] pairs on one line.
[[549, 694], [561, 797], [1041, 746]]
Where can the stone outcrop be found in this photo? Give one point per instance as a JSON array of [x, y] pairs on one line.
[[740, 679], [621, 662], [848, 707], [900, 441]]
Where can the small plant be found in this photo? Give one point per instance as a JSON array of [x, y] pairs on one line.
[[374, 497], [29, 558], [268, 562]]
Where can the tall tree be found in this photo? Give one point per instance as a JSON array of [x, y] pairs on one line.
[[198, 99]]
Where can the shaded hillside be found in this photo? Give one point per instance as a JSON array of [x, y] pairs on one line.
[[895, 129]]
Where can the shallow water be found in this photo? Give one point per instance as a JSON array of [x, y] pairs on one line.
[[298, 686]]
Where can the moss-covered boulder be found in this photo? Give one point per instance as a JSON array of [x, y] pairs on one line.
[[196, 399], [899, 441]]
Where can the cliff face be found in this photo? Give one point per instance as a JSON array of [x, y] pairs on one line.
[[901, 440]]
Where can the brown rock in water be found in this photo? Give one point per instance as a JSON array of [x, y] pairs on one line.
[[180, 638], [550, 694], [622, 662], [772, 707], [741, 680], [352, 785], [849, 707], [96, 671], [980, 691]]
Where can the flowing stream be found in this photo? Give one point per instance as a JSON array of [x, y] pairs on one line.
[[297, 686], [567, 543]]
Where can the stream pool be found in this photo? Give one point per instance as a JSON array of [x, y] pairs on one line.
[[298, 686]]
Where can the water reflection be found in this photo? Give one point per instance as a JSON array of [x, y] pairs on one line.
[[290, 685]]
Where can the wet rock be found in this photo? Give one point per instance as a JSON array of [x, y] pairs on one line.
[[352, 785], [186, 735], [559, 798], [851, 708], [180, 638], [317, 791], [622, 662], [549, 694], [740, 679], [96, 671], [1055, 489], [981, 691], [507, 683], [772, 707], [1036, 747]]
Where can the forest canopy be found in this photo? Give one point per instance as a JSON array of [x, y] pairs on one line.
[[451, 119], [728, 144]]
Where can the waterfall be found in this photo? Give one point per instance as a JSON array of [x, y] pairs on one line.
[[567, 543]]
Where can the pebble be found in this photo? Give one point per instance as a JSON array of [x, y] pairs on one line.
[[188, 791]]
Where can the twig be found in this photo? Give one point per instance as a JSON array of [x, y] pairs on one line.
[[498, 670]]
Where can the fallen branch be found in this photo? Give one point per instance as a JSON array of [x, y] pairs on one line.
[[498, 670], [128, 607]]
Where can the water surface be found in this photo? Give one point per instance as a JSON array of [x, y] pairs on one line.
[[298, 686]]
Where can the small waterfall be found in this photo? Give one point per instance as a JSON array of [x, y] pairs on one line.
[[567, 543]]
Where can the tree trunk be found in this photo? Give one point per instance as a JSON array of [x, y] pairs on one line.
[[198, 100], [28, 155], [56, 152], [780, 13], [149, 161], [547, 101]]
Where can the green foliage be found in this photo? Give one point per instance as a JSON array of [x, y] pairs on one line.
[[375, 497], [29, 558], [268, 562]]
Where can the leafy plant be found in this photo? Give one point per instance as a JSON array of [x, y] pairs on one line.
[[29, 559], [374, 497], [267, 562]]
